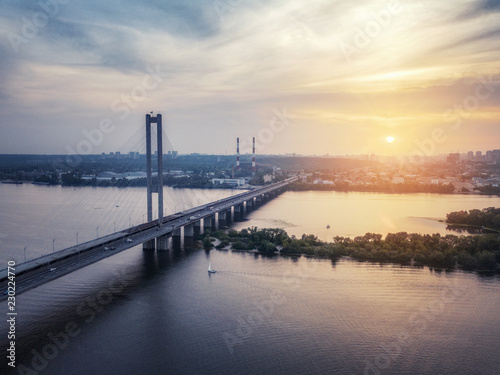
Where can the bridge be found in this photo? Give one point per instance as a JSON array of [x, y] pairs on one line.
[[153, 235]]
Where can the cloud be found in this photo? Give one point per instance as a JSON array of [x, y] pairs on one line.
[[488, 6], [225, 75], [480, 8]]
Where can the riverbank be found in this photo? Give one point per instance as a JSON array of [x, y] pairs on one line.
[[450, 252], [393, 188], [205, 183]]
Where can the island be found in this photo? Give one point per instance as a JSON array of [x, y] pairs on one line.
[[451, 252]]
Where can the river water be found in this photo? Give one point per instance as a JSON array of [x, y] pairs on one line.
[[161, 313]]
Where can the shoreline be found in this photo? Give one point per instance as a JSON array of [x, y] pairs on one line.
[[348, 257], [382, 191], [448, 253]]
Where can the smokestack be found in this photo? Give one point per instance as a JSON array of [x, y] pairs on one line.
[[253, 157], [237, 154]]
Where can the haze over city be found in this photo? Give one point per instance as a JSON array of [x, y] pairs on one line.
[[348, 76]]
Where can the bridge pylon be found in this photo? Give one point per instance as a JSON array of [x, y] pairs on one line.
[[158, 188]]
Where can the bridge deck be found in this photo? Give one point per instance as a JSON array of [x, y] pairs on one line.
[[38, 271]]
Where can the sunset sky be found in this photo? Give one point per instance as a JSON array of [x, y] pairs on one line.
[[347, 75]]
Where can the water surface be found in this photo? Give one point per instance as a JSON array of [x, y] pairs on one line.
[[161, 313]]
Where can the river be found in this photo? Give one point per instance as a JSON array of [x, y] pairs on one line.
[[161, 313]]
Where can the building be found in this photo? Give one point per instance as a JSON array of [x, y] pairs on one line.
[[267, 178], [228, 181], [496, 156], [490, 157]]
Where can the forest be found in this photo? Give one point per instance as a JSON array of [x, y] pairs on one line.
[[477, 252]]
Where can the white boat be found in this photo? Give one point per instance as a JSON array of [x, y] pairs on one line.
[[210, 270]]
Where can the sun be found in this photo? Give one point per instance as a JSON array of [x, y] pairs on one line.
[[389, 139]]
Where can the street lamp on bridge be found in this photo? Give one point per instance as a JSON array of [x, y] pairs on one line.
[[53, 246]]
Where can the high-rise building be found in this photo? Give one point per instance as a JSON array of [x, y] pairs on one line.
[[237, 154], [496, 156], [253, 157]]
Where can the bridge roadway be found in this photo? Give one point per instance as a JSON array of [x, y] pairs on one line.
[[38, 271]]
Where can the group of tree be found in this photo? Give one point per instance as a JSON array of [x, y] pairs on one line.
[[263, 240], [384, 186], [487, 217], [449, 252], [488, 189]]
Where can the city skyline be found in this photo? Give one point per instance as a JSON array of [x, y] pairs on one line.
[[321, 79]]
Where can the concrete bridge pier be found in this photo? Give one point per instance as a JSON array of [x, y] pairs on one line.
[[189, 230], [224, 218], [258, 200], [177, 233], [197, 228], [209, 222], [177, 238], [188, 237], [238, 212], [149, 245], [250, 205], [162, 242], [177, 244]]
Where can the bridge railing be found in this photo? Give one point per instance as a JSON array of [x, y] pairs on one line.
[[62, 254]]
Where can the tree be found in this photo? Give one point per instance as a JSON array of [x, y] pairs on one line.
[[267, 247], [207, 243], [487, 260]]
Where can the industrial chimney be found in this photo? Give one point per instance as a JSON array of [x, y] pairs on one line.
[[237, 154], [253, 157]]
